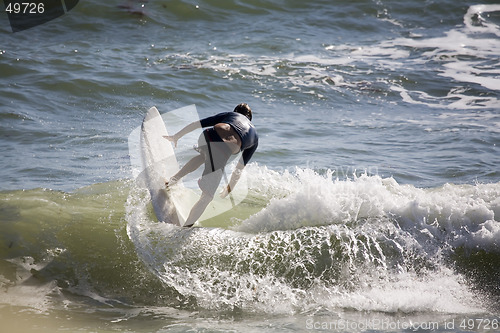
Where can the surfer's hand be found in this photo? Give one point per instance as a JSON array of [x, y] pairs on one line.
[[225, 191], [172, 138]]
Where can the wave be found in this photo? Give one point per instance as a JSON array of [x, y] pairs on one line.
[[62, 248], [366, 243], [301, 241]]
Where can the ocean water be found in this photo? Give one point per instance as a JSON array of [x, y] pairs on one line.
[[373, 200]]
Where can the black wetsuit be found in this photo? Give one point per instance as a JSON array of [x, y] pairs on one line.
[[242, 125], [217, 152]]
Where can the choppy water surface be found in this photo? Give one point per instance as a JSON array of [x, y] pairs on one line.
[[374, 194]]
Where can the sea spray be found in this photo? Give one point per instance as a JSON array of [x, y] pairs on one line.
[[366, 243]]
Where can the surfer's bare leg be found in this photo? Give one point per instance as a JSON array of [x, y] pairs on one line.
[[198, 209], [189, 167]]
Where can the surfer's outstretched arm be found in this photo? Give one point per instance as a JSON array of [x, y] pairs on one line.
[[187, 129]]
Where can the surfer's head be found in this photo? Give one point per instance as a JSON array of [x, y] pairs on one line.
[[244, 109]]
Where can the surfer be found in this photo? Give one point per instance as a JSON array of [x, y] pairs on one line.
[[229, 133]]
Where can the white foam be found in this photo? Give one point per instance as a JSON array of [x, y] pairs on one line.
[[439, 292], [465, 71], [476, 12], [454, 100], [451, 213], [28, 291]]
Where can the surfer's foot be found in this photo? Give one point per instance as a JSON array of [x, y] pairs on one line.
[[172, 181]]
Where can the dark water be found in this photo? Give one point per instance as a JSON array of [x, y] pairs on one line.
[[374, 194]]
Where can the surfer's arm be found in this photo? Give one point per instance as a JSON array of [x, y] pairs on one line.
[[245, 157], [235, 176], [187, 129]]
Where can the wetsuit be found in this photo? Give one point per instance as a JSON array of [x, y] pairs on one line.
[[217, 152]]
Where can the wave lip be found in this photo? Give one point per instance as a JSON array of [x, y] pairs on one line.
[[464, 215]]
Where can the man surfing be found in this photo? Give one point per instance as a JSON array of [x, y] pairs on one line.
[[229, 133]]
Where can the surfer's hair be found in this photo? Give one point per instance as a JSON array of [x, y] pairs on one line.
[[244, 109]]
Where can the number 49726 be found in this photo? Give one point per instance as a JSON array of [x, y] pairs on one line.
[[481, 324], [25, 8]]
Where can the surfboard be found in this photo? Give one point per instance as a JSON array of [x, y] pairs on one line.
[[159, 164]]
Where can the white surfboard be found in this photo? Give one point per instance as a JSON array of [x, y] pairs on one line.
[[160, 164]]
